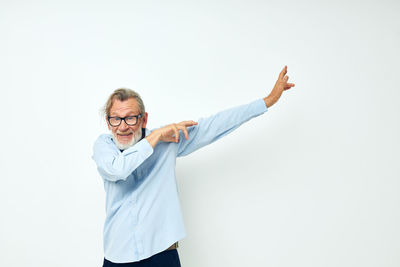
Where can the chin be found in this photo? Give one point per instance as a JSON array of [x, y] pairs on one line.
[[125, 145], [122, 146]]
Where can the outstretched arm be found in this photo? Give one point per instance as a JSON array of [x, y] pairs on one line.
[[192, 135], [212, 128]]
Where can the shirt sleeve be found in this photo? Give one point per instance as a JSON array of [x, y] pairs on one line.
[[210, 129], [114, 165]]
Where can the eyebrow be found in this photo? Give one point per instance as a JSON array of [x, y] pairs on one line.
[[112, 114]]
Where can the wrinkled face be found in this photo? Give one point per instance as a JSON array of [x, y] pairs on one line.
[[125, 135]]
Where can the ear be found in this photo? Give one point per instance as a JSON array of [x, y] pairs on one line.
[[146, 115]]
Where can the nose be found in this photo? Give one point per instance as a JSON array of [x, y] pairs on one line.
[[123, 126]]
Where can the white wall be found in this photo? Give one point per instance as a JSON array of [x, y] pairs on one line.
[[313, 182]]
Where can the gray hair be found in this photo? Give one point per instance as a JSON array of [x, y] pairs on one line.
[[123, 94]]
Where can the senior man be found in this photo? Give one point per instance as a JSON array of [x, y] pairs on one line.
[[143, 216]]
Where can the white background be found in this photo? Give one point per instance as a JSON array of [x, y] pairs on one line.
[[313, 182]]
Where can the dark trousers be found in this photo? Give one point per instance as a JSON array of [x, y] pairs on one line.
[[167, 258]]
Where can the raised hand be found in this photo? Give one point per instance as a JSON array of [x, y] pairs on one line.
[[280, 86]]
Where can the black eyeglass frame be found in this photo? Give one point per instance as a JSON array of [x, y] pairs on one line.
[[123, 119]]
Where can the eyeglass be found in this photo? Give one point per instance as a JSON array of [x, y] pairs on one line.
[[129, 120]]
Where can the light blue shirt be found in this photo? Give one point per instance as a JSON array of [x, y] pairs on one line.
[[143, 214]]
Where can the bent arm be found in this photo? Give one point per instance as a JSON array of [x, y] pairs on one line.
[[114, 165], [214, 127]]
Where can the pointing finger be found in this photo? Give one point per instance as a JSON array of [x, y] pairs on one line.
[[283, 72], [188, 123]]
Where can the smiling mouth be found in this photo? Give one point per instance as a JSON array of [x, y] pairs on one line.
[[125, 137], [126, 134]]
